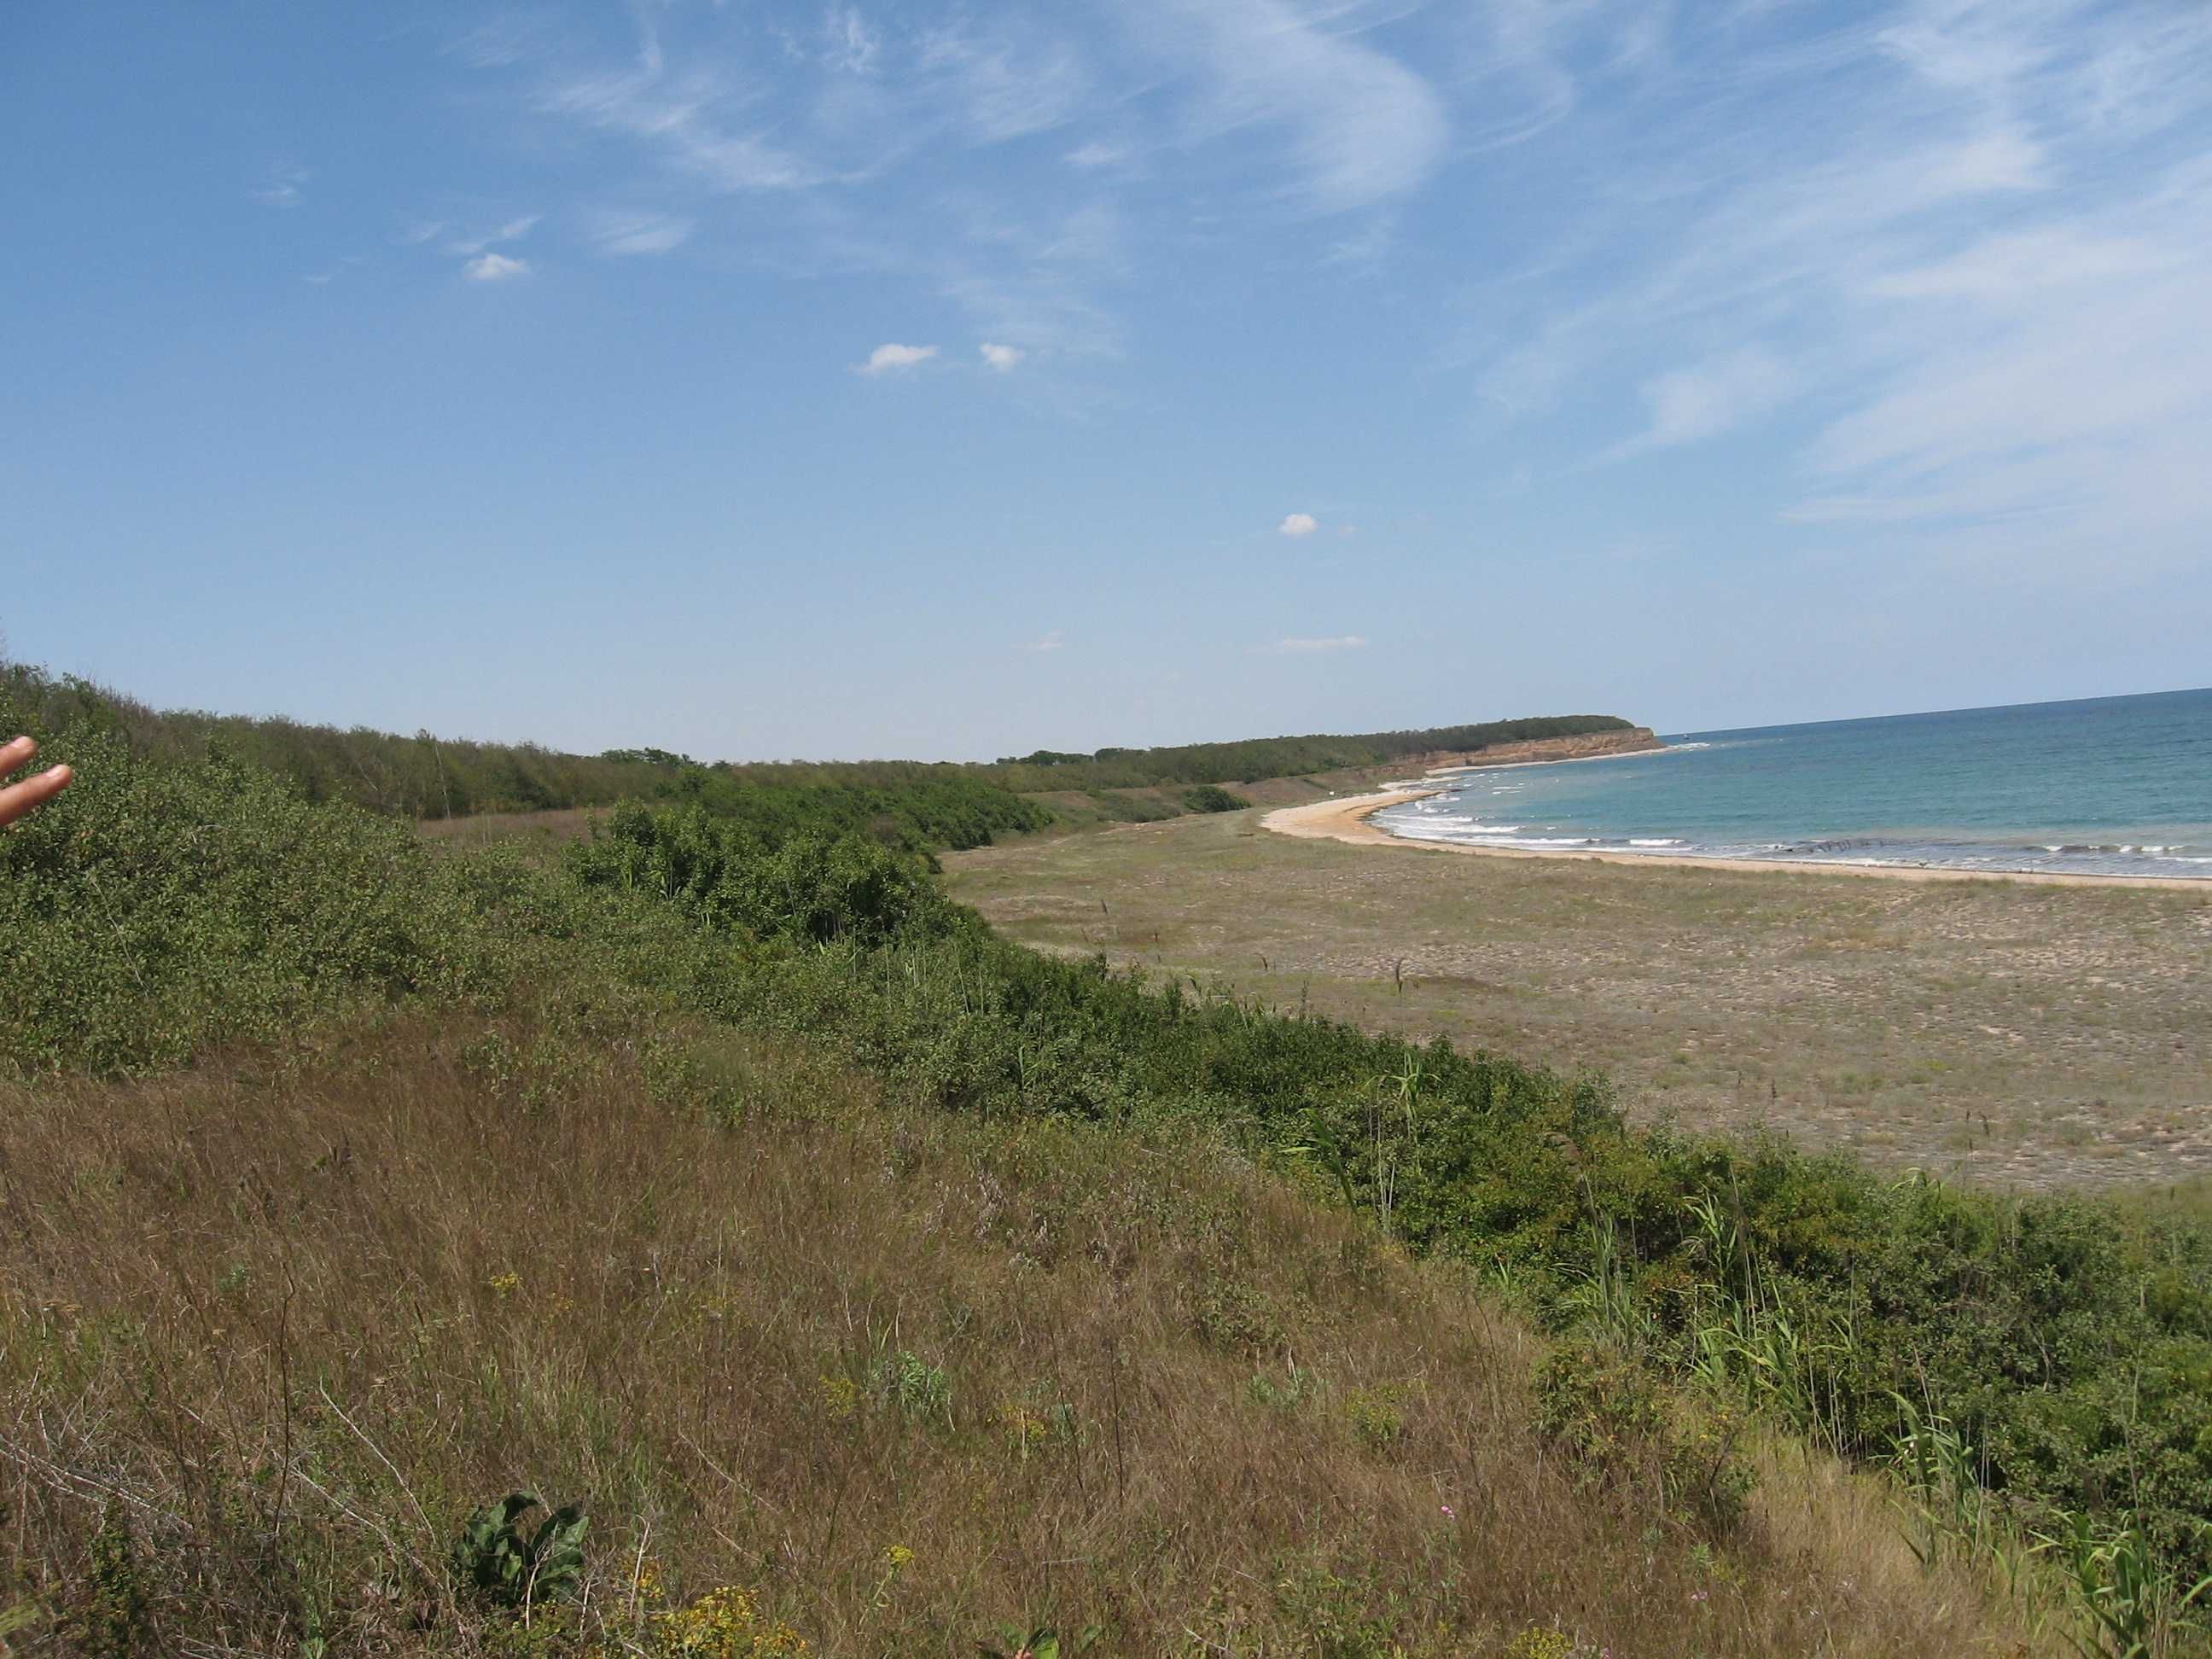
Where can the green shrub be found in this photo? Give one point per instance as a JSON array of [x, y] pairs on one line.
[[1213, 798], [494, 1558], [1612, 1416], [1377, 1415], [1335, 1617], [816, 888], [911, 804], [113, 1622], [1232, 1314], [906, 1383], [155, 911]]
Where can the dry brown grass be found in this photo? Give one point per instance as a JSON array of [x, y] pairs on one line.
[[293, 1321], [557, 824], [2024, 1035]]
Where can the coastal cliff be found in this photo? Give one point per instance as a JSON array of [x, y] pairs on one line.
[[1587, 746]]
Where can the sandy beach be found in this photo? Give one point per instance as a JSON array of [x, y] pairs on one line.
[[1346, 819]]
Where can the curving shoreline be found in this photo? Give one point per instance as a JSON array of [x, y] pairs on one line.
[[1346, 820]]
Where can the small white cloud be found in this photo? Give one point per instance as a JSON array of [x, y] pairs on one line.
[[421, 231], [493, 268], [631, 234], [893, 355], [282, 190], [1001, 358], [1298, 524], [1096, 155], [1052, 641], [1335, 642]]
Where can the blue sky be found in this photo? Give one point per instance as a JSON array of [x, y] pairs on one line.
[[773, 380]]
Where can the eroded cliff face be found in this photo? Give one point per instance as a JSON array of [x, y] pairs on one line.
[[1634, 741]]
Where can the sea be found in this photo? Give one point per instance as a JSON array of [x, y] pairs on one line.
[[2101, 786]]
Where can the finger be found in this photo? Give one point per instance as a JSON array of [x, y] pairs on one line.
[[18, 798], [17, 751]]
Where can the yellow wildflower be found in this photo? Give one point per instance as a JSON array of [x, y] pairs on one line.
[[723, 1624]]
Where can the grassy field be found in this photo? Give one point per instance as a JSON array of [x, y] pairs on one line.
[[269, 1330], [2031, 1036]]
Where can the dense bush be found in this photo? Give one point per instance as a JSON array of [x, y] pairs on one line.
[[812, 886], [905, 802], [919, 809], [1213, 798], [156, 910], [421, 776]]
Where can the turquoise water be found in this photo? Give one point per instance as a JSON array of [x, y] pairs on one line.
[[2107, 786]]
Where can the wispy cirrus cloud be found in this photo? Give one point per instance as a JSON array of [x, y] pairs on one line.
[[693, 117], [1706, 399], [629, 234], [1096, 153], [331, 272], [1295, 647], [507, 231], [1286, 104], [1757, 224], [283, 188], [1008, 81], [851, 44], [502, 41], [1951, 253], [1348, 123], [1055, 640]]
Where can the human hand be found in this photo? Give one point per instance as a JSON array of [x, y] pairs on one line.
[[17, 798]]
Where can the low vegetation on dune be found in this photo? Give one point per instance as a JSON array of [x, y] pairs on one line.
[[1213, 798], [920, 805], [913, 805], [821, 1272], [421, 776]]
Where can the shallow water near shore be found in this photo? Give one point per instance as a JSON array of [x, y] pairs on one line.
[[2106, 786]]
